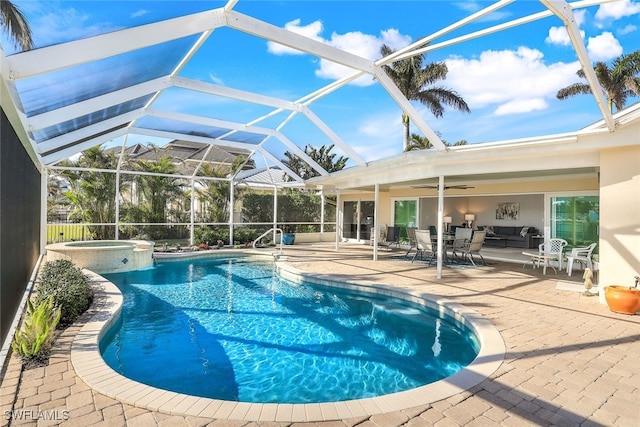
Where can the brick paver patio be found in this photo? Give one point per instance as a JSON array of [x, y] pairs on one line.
[[569, 360]]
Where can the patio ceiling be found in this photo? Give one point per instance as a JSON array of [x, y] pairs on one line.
[[72, 96]]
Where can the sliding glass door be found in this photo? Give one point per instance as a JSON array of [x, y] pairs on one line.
[[575, 219], [357, 219], [405, 214]]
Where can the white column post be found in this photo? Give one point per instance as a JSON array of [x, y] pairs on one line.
[[322, 202], [440, 234], [376, 221], [117, 202], [232, 203], [339, 224], [193, 213], [275, 213]]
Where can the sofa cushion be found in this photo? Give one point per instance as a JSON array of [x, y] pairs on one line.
[[505, 231]]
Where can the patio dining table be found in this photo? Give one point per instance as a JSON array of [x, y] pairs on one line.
[[447, 243]]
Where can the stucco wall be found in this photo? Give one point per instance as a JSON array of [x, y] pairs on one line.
[[619, 216], [481, 200]]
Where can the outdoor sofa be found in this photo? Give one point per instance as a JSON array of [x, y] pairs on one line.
[[511, 237]]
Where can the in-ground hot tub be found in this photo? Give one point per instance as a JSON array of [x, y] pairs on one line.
[[105, 256]]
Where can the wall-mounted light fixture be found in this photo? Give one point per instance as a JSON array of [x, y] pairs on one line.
[[469, 218]]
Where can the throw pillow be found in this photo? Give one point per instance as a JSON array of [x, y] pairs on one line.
[[489, 230], [524, 231]]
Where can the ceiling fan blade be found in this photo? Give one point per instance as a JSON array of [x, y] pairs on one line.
[[446, 187]]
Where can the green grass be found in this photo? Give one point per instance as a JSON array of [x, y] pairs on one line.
[[70, 232]]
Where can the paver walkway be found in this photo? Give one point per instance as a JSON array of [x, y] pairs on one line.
[[569, 360]]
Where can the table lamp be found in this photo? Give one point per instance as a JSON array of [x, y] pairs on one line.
[[469, 218], [446, 220]]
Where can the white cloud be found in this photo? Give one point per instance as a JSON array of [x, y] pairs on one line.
[[215, 79], [617, 10], [65, 25], [627, 29], [139, 13], [603, 47], [521, 106], [311, 31], [512, 81], [363, 45], [559, 35]]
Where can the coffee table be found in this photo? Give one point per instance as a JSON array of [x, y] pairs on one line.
[[537, 259]]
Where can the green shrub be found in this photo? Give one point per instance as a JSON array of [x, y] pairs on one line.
[[69, 288], [245, 234], [34, 339], [211, 235]]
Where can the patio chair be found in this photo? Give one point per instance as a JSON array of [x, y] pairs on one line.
[[554, 248], [424, 246], [472, 247], [411, 235], [382, 234], [392, 238], [461, 238], [388, 237], [582, 256]]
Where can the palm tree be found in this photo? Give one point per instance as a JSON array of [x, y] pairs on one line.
[[158, 191], [417, 84], [15, 24], [92, 194], [216, 195], [322, 156], [418, 142], [619, 81]]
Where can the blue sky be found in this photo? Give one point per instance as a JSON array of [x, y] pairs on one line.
[[509, 79]]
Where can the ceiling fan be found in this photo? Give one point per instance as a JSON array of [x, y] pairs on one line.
[[446, 187]]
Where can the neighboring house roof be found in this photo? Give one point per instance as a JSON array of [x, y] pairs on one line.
[[186, 154]]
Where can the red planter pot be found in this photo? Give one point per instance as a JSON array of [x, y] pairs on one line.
[[622, 299]]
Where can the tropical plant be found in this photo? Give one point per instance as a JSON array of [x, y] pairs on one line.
[[322, 156], [155, 195], [418, 142], [14, 23], [69, 288], [92, 193], [34, 339], [157, 190], [215, 195], [417, 84], [619, 81]]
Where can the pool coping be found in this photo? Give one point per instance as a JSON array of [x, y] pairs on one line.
[[93, 370]]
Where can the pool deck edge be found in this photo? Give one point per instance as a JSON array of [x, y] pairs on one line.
[[93, 370]]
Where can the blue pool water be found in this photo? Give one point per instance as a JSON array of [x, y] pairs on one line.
[[232, 329]]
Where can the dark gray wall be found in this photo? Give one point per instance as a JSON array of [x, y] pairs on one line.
[[19, 222]]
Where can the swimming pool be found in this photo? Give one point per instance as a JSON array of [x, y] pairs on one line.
[[233, 329]]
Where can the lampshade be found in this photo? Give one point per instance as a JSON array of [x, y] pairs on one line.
[[446, 220], [469, 217]]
